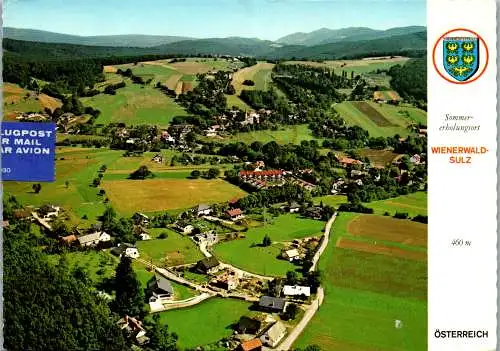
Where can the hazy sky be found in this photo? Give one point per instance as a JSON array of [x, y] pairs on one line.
[[264, 19]]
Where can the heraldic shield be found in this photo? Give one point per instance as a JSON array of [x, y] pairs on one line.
[[461, 57]]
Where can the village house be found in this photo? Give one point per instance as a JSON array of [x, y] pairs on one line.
[[294, 207], [140, 218], [347, 161], [184, 228], [274, 335], [272, 304], [104, 237], [291, 255], [161, 289], [134, 329], [210, 238], [209, 265], [202, 210], [158, 158], [251, 345], [141, 232], [167, 137], [235, 214], [89, 239], [415, 159], [338, 187], [227, 281], [296, 290], [126, 249]]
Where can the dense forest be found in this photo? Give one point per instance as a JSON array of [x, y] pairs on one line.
[[410, 79]]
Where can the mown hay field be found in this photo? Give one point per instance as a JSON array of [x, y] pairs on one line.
[[129, 196], [367, 291]]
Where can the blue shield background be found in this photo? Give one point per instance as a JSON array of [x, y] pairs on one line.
[[461, 57]]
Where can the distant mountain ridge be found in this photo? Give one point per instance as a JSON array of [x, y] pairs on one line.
[[326, 36], [124, 40]]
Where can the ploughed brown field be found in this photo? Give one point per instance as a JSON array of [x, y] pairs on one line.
[[388, 229], [380, 248], [373, 114]]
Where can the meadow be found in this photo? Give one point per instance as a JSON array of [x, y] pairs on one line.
[[365, 293], [259, 73], [380, 119], [249, 255], [171, 251], [17, 99], [205, 323], [129, 196], [135, 104], [357, 66], [414, 204], [294, 134]]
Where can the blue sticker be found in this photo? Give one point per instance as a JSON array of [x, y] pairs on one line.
[[28, 151]]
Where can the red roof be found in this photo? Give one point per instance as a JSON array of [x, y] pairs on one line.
[[251, 345], [272, 172], [350, 161], [235, 212]]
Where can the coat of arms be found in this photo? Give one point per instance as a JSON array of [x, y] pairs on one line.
[[461, 57]]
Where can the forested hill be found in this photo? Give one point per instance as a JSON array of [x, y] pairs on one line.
[[413, 44]]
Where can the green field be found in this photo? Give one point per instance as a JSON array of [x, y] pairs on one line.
[[17, 99], [135, 104], [259, 73], [204, 323], [234, 100], [285, 135], [263, 260], [78, 166], [171, 251], [414, 204], [331, 200], [356, 66], [365, 293], [395, 119]]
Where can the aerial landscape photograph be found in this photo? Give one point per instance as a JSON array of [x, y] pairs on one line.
[[229, 175]]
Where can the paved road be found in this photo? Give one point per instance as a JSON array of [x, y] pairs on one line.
[[290, 339], [324, 244]]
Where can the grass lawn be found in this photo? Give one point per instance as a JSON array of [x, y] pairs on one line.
[[135, 104], [129, 196], [331, 200], [264, 260], [414, 204], [356, 66], [205, 323], [234, 100], [285, 135], [171, 251], [364, 294]]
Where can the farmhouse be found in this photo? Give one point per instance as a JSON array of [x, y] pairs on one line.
[[227, 281], [209, 265], [347, 161], [251, 345], [202, 210], [273, 335], [235, 214], [272, 304], [126, 249], [291, 255], [89, 239], [294, 207], [184, 228], [161, 288], [415, 159], [210, 237], [296, 290], [48, 211], [140, 218], [134, 329], [68, 240]]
